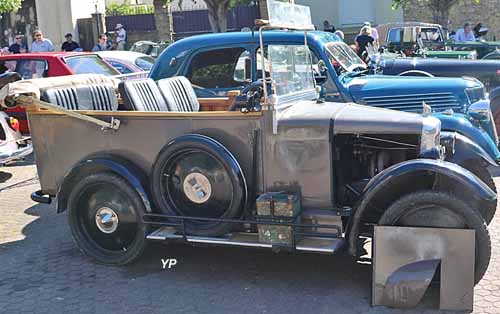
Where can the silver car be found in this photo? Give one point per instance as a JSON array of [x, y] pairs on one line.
[[12, 145]]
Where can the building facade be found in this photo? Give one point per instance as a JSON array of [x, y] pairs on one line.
[[349, 15]]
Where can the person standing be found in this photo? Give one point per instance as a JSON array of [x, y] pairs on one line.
[[374, 32], [465, 34], [18, 46], [121, 37], [101, 43], [41, 44], [363, 40], [69, 44]]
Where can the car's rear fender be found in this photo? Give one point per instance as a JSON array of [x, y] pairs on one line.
[[410, 176], [108, 163]]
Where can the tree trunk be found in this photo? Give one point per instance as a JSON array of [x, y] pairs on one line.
[[162, 21], [441, 11], [217, 14]]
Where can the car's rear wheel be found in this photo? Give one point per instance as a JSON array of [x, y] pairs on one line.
[[199, 179], [432, 209], [105, 219]]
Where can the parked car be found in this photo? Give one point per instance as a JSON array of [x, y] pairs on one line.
[[419, 39], [150, 48], [127, 62], [12, 145], [230, 177], [50, 64], [218, 63], [487, 71]]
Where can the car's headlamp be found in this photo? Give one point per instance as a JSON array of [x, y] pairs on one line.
[[475, 94], [480, 110], [431, 128]]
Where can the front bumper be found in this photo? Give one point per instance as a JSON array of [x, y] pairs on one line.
[[16, 155]]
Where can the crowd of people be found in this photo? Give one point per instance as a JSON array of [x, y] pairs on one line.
[[42, 44]]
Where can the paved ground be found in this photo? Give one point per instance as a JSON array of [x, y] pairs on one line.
[[41, 271]]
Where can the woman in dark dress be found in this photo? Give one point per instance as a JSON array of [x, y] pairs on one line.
[[363, 40]]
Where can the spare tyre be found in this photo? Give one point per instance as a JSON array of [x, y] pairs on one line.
[[197, 176]]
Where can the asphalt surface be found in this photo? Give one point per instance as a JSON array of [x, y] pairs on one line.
[[42, 271]]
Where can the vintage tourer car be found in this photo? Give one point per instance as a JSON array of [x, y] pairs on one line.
[[140, 160], [218, 64]]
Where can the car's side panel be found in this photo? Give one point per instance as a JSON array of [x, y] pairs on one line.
[[139, 139]]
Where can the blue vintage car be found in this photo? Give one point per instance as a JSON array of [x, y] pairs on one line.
[[218, 63], [487, 71]]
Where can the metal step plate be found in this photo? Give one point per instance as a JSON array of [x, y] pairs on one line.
[[306, 244], [323, 245], [164, 233]]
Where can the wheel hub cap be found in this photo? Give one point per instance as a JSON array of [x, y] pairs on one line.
[[106, 220], [197, 187]]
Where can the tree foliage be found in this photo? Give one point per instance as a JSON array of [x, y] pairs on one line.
[[127, 9], [440, 8], [7, 6]]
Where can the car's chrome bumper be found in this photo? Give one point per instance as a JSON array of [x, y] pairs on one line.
[[16, 155]]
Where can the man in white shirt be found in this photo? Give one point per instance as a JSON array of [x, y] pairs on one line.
[[121, 37], [465, 34]]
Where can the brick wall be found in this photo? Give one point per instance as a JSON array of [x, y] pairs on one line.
[[487, 12]]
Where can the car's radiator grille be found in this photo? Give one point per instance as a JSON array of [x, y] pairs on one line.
[[413, 103]]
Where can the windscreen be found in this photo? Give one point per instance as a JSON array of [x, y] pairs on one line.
[[291, 68], [90, 64], [343, 55]]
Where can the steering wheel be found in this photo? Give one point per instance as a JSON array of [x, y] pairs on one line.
[[254, 92]]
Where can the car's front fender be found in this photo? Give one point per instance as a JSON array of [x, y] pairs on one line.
[[460, 124], [407, 177], [460, 149]]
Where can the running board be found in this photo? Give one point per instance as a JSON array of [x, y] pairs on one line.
[[306, 244]]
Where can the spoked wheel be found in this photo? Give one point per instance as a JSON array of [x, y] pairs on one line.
[[104, 217], [431, 209], [195, 179]]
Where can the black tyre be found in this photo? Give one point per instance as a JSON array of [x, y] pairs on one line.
[[105, 219], [198, 177], [441, 210], [482, 173]]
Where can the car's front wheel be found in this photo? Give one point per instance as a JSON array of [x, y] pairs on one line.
[[105, 219], [431, 209], [480, 170]]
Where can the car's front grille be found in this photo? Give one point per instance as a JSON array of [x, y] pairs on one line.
[[413, 103]]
